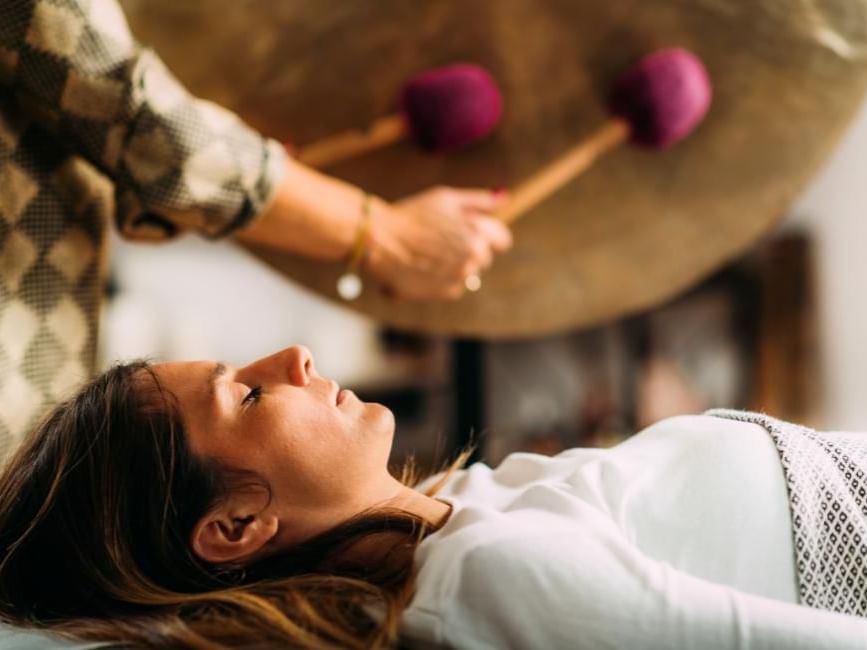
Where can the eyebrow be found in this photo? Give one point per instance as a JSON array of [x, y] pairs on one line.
[[217, 371]]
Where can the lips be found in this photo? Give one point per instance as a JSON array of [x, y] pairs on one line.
[[340, 394]]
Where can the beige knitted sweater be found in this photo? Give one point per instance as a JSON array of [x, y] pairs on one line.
[[93, 127]]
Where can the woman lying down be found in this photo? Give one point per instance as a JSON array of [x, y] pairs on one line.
[[204, 506]]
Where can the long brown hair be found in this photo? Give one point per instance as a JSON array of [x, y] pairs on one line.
[[96, 511]]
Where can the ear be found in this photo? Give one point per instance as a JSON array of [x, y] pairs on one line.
[[228, 535]]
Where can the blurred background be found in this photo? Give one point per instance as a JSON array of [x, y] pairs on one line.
[[781, 330]]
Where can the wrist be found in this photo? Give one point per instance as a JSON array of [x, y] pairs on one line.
[[311, 214], [349, 284], [386, 251], [379, 210]]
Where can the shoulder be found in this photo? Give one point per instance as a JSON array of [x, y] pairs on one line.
[[701, 425], [691, 432]]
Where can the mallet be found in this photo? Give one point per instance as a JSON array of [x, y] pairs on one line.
[[656, 103], [441, 110]]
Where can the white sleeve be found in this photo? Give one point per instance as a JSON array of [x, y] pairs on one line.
[[542, 591]]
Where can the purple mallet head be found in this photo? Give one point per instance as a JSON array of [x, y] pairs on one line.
[[451, 107], [663, 97]]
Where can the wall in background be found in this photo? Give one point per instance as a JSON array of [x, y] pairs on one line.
[[834, 210]]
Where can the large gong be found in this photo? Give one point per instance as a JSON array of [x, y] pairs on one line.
[[641, 225]]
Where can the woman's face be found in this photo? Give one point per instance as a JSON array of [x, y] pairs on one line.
[[322, 450]]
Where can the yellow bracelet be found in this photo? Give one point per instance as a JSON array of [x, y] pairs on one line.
[[349, 284]]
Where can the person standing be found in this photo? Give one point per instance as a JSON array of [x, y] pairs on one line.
[[94, 128]]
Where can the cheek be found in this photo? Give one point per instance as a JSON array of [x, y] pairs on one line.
[[317, 454], [306, 447], [351, 451]]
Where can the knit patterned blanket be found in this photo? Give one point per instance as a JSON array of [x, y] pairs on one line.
[[826, 475]]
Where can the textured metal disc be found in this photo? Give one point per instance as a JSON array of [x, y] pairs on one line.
[[641, 225]]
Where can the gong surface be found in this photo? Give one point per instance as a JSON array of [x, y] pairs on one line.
[[641, 226]]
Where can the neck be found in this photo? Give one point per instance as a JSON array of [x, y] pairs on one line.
[[431, 510], [378, 548]]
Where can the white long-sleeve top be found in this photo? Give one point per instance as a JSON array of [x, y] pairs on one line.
[[678, 538]]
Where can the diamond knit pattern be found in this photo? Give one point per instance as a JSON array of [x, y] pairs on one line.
[[93, 130], [826, 475]]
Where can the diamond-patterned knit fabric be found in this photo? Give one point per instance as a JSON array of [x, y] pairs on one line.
[[94, 127], [826, 475]]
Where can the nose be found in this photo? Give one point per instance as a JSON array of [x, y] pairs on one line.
[[293, 366], [299, 364]]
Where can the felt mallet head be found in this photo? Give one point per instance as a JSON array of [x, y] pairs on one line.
[[450, 107], [663, 97]]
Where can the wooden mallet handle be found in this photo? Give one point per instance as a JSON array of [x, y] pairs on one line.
[[657, 102], [441, 109], [349, 144], [538, 187]]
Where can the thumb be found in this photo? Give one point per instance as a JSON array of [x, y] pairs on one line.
[[482, 201]]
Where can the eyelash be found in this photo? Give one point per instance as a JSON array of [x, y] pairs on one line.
[[253, 395]]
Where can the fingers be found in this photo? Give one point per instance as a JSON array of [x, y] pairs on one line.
[[442, 235], [479, 256], [488, 235], [495, 232], [480, 206]]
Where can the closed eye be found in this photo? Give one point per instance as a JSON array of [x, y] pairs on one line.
[[253, 395]]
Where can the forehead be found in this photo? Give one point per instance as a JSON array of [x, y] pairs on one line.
[[190, 381]]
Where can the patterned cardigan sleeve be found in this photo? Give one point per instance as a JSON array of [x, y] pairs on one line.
[[178, 163]]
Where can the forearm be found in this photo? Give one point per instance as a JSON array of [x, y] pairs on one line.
[[421, 247], [310, 214]]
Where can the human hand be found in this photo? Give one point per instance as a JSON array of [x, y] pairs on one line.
[[424, 247]]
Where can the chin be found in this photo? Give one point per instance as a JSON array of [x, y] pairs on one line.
[[382, 418], [378, 421], [379, 431]]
